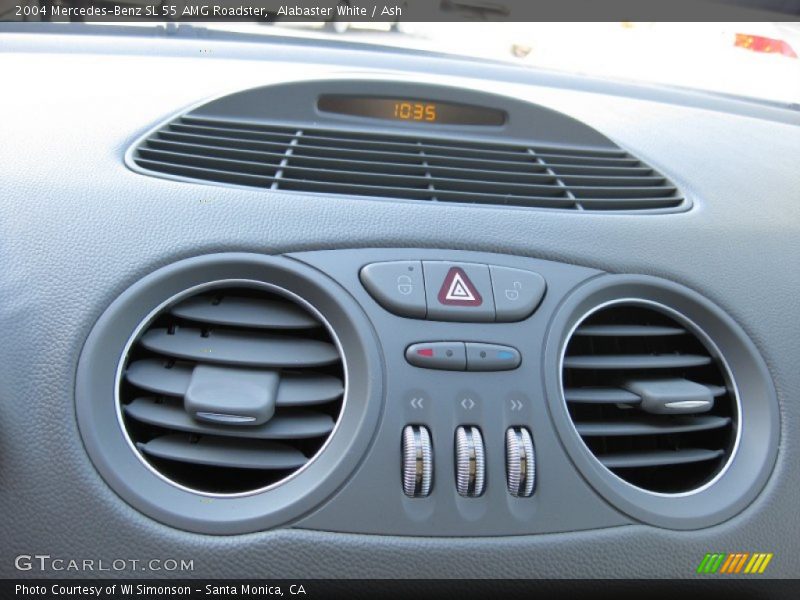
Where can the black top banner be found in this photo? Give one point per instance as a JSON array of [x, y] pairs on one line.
[[329, 11]]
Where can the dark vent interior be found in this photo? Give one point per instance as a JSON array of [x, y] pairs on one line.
[[638, 386], [329, 161], [239, 334]]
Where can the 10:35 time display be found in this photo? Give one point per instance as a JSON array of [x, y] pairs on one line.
[[415, 111], [412, 110]]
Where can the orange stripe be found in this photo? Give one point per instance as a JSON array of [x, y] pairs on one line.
[[729, 560], [735, 564], [741, 562]]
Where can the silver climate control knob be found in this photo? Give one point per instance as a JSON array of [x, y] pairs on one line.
[[470, 462], [520, 462], [417, 461]]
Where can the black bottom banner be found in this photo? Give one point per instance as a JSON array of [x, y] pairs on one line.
[[384, 589]]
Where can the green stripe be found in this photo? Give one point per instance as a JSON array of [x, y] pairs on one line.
[[711, 562], [718, 563], [701, 568]]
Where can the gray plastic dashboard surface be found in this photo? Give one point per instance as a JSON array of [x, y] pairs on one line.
[[77, 228]]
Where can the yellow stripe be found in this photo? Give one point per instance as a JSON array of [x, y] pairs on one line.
[[741, 562], [765, 563], [758, 563], [728, 561], [752, 562]]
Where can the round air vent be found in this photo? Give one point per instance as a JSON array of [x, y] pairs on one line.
[[649, 398], [661, 401], [229, 393], [232, 389]]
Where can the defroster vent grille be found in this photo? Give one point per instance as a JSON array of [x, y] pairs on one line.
[[232, 390], [329, 161]]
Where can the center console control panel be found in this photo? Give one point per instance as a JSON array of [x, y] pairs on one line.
[[465, 445]]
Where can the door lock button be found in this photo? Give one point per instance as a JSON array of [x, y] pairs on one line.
[[398, 286], [517, 293]]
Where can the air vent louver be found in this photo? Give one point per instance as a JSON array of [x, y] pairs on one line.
[[231, 347], [649, 400], [330, 161]]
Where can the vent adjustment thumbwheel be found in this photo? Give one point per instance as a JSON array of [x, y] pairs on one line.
[[470, 462], [520, 462], [417, 461]]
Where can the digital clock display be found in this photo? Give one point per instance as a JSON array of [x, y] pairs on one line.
[[412, 110]]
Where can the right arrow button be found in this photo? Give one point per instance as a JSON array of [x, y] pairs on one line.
[[517, 292]]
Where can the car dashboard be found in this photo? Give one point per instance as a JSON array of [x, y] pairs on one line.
[[372, 313]]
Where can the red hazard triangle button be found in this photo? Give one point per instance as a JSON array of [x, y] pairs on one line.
[[458, 290]]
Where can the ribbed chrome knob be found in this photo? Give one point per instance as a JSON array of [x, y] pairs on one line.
[[470, 462], [520, 462], [417, 461]]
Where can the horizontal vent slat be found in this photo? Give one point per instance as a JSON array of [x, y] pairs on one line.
[[611, 204], [240, 348], [628, 330], [257, 313], [651, 426], [633, 361], [565, 159], [156, 376], [439, 183], [603, 181], [212, 151], [295, 388], [221, 164], [412, 147], [205, 174], [601, 396], [280, 136], [519, 162], [285, 425], [657, 458], [424, 194], [304, 389], [621, 193], [221, 452], [222, 141], [565, 170]]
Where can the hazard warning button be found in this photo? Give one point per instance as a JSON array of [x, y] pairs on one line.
[[458, 291]]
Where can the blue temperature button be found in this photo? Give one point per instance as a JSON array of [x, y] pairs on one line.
[[491, 357]]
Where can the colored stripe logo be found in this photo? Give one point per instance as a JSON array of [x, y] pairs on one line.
[[734, 562]]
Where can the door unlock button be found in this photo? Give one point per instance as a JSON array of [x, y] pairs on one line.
[[517, 292]]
